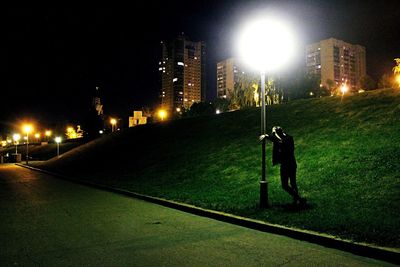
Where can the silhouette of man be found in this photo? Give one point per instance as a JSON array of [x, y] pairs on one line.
[[283, 154]]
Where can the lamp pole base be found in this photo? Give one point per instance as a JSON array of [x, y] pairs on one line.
[[264, 194]]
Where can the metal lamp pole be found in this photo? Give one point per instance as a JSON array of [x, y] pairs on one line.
[[263, 182], [27, 147]]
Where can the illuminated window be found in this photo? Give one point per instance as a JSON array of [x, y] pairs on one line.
[[181, 64], [174, 79]]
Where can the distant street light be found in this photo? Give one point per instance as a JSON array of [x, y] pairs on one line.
[[16, 138], [37, 136], [344, 89], [162, 114], [47, 133], [113, 123], [265, 44], [58, 141], [27, 128]]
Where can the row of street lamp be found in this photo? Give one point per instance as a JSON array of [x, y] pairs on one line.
[[28, 129]]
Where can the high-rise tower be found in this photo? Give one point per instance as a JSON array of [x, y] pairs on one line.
[[336, 60], [182, 69]]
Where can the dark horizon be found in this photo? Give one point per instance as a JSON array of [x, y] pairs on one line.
[[56, 57]]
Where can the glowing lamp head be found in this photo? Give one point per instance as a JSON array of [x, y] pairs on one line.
[[162, 114], [113, 121], [265, 44], [57, 139], [48, 133], [37, 135], [27, 128], [16, 137], [344, 88]]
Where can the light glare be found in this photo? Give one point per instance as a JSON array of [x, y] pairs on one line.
[[266, 44]]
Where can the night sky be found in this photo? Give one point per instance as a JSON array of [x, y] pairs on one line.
[[55, 57]]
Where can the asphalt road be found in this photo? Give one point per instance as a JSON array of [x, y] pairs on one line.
[[50, 222]]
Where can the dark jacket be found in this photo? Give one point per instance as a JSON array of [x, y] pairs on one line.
[[283, 151]]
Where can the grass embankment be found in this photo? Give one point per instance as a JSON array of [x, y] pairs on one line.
[[348, 164]]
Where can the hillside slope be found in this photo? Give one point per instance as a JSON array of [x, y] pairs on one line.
[[347, 151]]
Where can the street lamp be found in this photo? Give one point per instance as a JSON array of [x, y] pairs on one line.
[[47, 133], [27, 128], [344, 88], [162, 114], [113, 123], [16, 138], [58, 141], [37, 136], [266, 45]]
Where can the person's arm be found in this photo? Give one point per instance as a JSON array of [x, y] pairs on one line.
[[269, 137]]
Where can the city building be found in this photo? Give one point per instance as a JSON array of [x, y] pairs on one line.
[[182, 69], [336, 62], [137, 119], [227, 76]]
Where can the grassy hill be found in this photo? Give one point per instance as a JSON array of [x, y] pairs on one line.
[[347, 151]]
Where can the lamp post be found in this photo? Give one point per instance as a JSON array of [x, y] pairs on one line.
[[47, 133], [344, 88], [27, 129], [162, 114], [113, 123], [58, 141], [16, 138], [37, 136], [265, 44]]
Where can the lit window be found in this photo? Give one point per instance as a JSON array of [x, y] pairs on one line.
[[195, 57], [174, 79], [189, 84], [319, 66], [181, 93], [160, 68], [185, 100], [181, 64]]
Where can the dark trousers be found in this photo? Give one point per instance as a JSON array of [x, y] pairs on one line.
[[288, 173]]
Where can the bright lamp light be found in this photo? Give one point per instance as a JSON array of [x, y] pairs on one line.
[[266, 44], [344, 88], [57, 139], [16, 137], [27, 128]]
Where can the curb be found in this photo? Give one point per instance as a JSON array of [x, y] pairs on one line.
[[361, 249]]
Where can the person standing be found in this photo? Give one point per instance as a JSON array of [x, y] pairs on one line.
[[283, 154]]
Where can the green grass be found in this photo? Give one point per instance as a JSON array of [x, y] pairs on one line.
[[348, 164]]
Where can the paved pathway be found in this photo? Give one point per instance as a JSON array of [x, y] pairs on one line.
[[49, 222]]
